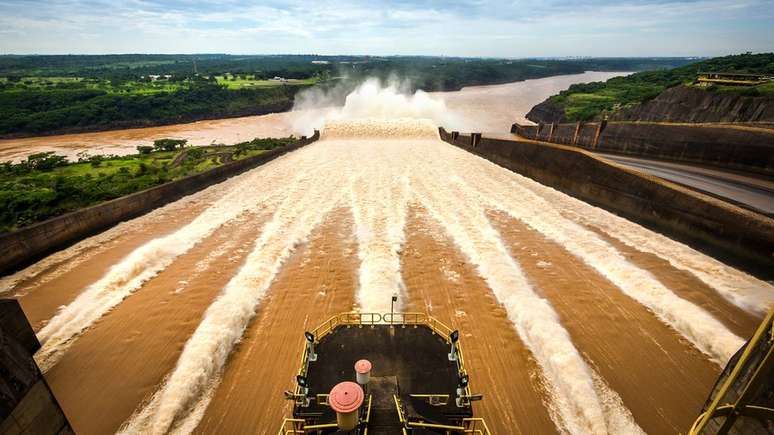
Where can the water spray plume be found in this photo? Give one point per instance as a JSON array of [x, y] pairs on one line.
[[372, 100]]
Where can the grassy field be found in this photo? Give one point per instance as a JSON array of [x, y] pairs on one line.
[[764, 90], [143, 87], [136, 87], [248, 81], [46, 185]]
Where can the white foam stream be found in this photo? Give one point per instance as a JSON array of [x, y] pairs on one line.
[[575, 397], [67, 259], [698, 326], [181, 400], [739, 288], [148, 260], [379, 202]]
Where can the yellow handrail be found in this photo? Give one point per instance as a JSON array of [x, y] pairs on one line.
[[737, 407], [400, 411], [368, 412], [359, 319], [292, 426], [472, 426], [436, 426]]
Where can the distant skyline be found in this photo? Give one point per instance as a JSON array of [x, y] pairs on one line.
[[524, 28]]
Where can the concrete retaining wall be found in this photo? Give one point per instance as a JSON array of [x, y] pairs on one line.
[[741, 148], [736, 235], [22, 247], [28, 406]]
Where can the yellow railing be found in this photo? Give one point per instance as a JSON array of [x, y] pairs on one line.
[[476, 426], [473, 425], [398, 319], [292, 426], [740, 405], [298, 426], [400, 410]]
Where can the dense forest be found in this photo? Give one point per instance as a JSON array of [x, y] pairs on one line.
[[42, 111], [47, 185], [589, 101], [54, 94]]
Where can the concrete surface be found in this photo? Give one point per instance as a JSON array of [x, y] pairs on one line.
[[27, 405], [723, 230], [753, 193], [727, 147]]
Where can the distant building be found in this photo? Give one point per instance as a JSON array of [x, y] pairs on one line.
[[732, 79], [154, 77]]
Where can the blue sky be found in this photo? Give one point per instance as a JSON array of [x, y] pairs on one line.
[[519, 28]]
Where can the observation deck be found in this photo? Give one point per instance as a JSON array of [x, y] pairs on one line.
[[416, 380]]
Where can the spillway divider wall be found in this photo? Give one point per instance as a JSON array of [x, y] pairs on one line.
[[735, 235], [24, 246], [733, 147]]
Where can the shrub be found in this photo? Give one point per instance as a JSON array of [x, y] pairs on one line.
[[195, 153], [45, 161], [169, 144], [95, 161]]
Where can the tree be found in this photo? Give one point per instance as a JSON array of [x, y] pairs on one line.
[[144, 149], [45, 161], [169, 144]]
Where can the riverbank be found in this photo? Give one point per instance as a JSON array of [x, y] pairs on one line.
[[46, 185], [484, 108]]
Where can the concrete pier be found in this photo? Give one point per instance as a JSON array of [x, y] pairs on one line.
[[27, 405]]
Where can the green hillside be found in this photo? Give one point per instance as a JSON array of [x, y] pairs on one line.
[[588, 101]]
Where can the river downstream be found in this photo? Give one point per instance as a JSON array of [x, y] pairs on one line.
[[484, 108]]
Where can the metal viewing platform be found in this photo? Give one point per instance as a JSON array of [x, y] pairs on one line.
[[371, 373], [732, 79]]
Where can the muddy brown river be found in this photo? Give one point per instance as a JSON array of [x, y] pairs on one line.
[[487, 108], [190, 318]]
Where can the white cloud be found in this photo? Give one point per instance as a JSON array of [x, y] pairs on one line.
[[481, 27]]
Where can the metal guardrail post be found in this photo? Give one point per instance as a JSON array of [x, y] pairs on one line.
[[733, 410]]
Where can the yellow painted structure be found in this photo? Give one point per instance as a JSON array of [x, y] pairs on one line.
[[732, 79]]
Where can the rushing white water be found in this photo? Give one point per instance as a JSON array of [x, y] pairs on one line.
[[379, 202], [373, 100], [199, 367], [462, 215], [148, 260], [67, 259], [698, 326], [739, 288]]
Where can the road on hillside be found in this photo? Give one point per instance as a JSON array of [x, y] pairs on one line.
[[749, 192]]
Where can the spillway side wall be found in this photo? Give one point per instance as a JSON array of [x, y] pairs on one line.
[[26, 245], [741, 237], [28, 406], [740, 148]]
